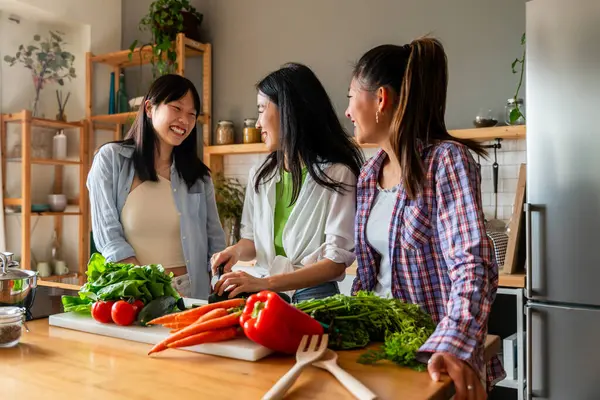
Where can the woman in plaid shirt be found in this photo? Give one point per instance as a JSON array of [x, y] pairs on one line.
[[424, 186]]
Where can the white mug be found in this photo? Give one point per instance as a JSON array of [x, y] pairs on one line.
[[44, 269], [60, 268]]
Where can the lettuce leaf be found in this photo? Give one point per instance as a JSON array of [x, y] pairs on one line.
[[115, 281]]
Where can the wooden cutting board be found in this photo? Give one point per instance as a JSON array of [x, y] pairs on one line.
[[241, 349]]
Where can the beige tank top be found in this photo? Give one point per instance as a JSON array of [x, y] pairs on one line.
[[151, 224]]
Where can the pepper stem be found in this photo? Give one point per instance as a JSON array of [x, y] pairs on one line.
[[258, 307]]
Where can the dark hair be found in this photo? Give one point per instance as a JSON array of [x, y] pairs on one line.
[[190, 168], [310, 131], [418, 74]]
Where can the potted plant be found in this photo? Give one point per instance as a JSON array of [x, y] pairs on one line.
[[47, 61], [229, 193], [165, 19]]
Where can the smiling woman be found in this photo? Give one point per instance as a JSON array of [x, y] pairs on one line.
[[152, 199]]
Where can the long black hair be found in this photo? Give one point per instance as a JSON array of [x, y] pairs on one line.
[[142, 136], [310, 132], [417, 73]]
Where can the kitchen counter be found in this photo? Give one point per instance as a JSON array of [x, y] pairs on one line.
[[56, 363]]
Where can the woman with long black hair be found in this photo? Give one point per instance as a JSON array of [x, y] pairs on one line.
[[152, 198], [300, 203]]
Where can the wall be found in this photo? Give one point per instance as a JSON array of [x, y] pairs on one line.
[[90, 26], [250, 39]]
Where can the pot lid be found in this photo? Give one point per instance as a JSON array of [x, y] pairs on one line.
[[16, 273]]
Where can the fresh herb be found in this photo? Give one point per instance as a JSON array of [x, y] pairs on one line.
[[115, 281], [355, 321]]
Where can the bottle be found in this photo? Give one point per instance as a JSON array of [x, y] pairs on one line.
[[59, 146], [111, 94], [122, 99]]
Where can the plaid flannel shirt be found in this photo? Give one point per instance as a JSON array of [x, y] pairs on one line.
[[441, 256]]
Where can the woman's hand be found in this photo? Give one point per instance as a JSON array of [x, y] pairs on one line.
[[242, 282], [230, 256], [467, 384]]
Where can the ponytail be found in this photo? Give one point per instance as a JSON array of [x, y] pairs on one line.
[[418, 72]]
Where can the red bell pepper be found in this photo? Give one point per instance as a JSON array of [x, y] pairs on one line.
[[271, 322]]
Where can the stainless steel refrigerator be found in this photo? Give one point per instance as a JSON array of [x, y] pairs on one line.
[[563, 196]]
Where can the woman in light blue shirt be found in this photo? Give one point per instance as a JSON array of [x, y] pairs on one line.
[[152, 199]]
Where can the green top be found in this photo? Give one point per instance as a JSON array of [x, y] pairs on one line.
[[283, 208]]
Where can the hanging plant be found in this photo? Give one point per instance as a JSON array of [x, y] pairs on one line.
[[516, 113], [165, 19], [47, 60]]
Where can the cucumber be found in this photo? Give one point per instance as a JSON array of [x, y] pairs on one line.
[[156, 308]]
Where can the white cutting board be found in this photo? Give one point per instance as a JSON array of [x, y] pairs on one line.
[[241, 348]]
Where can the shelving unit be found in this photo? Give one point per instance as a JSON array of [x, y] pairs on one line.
[[184, 47], [213, 155], [27, 123]]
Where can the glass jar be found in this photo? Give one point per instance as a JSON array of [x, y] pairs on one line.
[[251, 132], [225, 133], [11, 325], [513, 107]]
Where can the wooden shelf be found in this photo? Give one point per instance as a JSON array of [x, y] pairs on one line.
[[47, 213], [513, 132], [47, 161], [15, 201], [141, 56], [481, 134], [512, 280], [58, 278], [124, 118], [24, 201], [41, 122]]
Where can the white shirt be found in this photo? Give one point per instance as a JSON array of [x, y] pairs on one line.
[[378, 236], [320, 226]]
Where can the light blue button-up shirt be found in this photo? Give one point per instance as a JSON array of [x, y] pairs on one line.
[[109, 182]]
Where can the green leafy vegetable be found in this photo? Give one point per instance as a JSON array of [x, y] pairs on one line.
[[355, 321], [114, 281]]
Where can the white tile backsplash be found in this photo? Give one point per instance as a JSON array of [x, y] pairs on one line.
[[510, 156]]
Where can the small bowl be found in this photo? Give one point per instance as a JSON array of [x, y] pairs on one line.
[[57, 202], [11, 325], [37, 208]]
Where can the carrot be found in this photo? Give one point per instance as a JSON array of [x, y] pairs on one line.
[[178, 325], [216, 313], [195, 313], [218, 335], [198, 327]]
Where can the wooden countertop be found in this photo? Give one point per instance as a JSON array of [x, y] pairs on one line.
[[56, 363]]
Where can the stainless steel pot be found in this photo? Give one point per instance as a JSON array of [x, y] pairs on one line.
[[17, 286]]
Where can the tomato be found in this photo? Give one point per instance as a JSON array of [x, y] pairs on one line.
[[123, 313], [101, 311], [138, 305]]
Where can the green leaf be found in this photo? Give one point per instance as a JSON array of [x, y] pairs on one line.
[[514, 63], [515, 114], [42, 57], [523, 39], [37, 38]]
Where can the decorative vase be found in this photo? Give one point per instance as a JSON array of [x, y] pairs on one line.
[[61, 117]]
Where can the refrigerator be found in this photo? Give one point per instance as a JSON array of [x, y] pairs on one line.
[[563, 200]]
